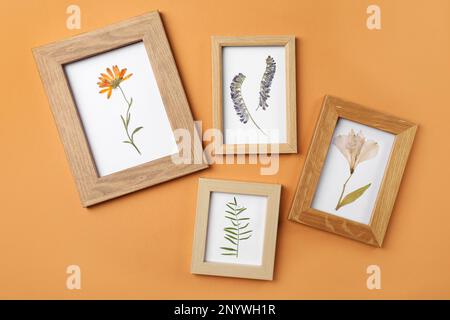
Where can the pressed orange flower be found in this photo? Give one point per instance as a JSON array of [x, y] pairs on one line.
[[112, 80]]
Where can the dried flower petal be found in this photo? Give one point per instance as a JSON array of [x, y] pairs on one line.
[[355, 148], [112, 80]]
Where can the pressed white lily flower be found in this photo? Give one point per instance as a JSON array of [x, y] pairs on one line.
[[355, 148]]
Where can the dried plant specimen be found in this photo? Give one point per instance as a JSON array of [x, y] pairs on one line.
[[237, 231], [266, 83], [356, 149], [238, 101], [236, 93], [108, 83]]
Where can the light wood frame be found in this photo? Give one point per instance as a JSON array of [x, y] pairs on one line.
[[288, 42], [373, 233], [205, 188], [51, 59]]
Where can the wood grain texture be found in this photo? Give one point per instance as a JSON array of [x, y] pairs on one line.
[[50, 60], [217, 44], [205, 188], [332, 109]]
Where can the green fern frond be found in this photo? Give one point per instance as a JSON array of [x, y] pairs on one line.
[[237, 232]]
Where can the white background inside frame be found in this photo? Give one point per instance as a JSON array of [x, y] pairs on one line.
[[101, 116], [250, 250], [336, 170], [251, 61]]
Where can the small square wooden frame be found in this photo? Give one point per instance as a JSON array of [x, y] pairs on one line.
[[205, 188], [373, 233], [218, 42], [51, 59]]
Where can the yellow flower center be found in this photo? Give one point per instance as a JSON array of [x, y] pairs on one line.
[[115, 83]]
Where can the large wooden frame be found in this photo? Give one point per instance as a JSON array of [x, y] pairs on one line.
[[205, 188], [301, 211], [51, 59], [218, 42]]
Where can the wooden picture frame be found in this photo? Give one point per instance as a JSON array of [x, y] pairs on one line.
[[206, 189], [288, 43], [52, 58], [302, 211]]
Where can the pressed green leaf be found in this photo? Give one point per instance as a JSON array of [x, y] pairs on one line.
[[353, 196], [131, 101], [128, 118], [123, 121], [231, 232], [135, 130], [232, 241], [231, 236], [239, 211], [230, 207], [240, 228], [228, 249], [126, 142]]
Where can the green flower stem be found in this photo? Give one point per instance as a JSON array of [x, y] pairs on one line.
[[126, 120], [251, 118], [342, 193]]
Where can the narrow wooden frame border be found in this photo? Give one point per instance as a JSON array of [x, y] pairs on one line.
[[218, 42], [50, 60], [205, 188], [373, 233]]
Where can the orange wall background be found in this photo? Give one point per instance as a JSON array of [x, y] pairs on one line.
[[139, 246]]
